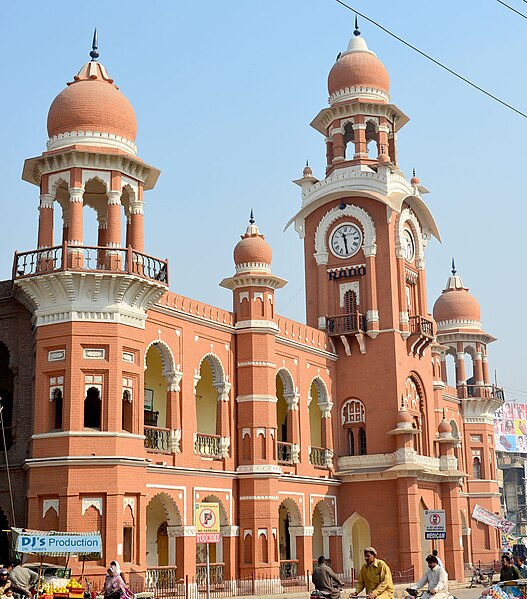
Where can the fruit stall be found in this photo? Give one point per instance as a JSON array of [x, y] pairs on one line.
[[86, 546]]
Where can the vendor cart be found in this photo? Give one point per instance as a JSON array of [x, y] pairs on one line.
[[87, 546]]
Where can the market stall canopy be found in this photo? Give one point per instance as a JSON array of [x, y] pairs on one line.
[[58, 544]]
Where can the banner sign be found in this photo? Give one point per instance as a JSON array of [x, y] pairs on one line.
[[207, 518], [435, 524], [33, 542], [482, 515], [510, 427]]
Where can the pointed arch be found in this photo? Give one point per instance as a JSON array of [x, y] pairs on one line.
[[169, 508], [167, 357], [293, 511], [287, 381], [218, 371], [324, 400], [326, 511]]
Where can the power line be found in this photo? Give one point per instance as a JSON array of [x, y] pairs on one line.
[[513, 9], [439, 64]]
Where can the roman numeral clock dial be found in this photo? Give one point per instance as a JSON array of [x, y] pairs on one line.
[[346, 240]]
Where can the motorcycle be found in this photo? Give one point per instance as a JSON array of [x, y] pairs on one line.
[[481, 577], [316, 594], [414, 593]]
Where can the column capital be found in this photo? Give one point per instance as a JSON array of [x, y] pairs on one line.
[[332, 531], [46, 200], [103, 222], [137, 207], [114, 196], [76, 194], [301, 531], [223, 390], [173, 380]]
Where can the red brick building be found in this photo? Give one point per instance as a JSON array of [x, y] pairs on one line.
[[125, 403]]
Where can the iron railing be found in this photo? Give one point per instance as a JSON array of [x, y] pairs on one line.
[[419, 325], [289, 569], [207, 445], [318, 457], [284, 452], [89, 259], [162, 576], [345, 323], [157, 439], [216, 575], [483, 391]]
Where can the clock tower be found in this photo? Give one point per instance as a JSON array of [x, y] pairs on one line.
[[365, 227]]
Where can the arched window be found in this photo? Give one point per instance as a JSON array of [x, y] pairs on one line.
[[6, 393], [476, 465], [127, 410], [371, 140], [57, 399], [414, 403], [350, 302], [92, 408], [349, 137], [353, 421], [362, 441]]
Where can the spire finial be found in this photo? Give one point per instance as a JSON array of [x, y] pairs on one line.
[[94, 46], [413, 172], [307, 162], [453, 267], [444, 414], [357, 30], [402, 402], [251, 218]]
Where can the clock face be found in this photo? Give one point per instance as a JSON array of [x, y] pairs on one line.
[[346, 240], [408, 246]]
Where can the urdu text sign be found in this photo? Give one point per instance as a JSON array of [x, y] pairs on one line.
[[435, 524], [207, 522]]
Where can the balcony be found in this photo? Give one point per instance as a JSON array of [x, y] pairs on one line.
[[89, 259], [421, 335], [318, 457], [284, 452], [162, 577], [346, 324], [419, 325], [157, 439], [207, 445], [481, 391]]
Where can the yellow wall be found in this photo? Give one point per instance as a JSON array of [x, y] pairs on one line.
[[155, 380], [315, 418], [281, 407], [318, 543], [206, 401]]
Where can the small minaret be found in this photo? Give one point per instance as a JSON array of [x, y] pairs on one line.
[[253, 288]]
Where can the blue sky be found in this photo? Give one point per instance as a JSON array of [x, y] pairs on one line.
[[224, 93]]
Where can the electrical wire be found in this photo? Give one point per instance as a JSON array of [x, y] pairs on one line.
[[513, 9], [7, 464], [439, 64]]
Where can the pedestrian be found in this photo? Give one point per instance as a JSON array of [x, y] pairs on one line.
[[439, 562], [22, 577], [7, 585], [375, 576], [508, 570], [114, 587], [519, 562]]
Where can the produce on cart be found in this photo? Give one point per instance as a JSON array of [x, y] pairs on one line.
[[58, 544]]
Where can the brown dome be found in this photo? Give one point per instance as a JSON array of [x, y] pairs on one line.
[[252, 249], [456, 305], [444, 427], [404, 416], [358, 67], [92, 103]]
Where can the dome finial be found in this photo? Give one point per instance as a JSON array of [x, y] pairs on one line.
[[413, 172], [453, 267], [94, 46], [357, 30], [251, 218]]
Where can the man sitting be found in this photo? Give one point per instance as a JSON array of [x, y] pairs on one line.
[[508, 569], [436, 578], [375, 576], [325, 580]]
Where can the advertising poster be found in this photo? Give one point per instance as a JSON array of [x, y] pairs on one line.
[[510, 428]]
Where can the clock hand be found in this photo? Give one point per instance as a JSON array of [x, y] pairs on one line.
[[345, 242]]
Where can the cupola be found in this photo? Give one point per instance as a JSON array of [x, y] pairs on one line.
[[456, 306], [358, 74], [91, 111], [252, 253]]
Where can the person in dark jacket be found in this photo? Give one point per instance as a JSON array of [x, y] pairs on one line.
[[508, 570], [325, 580]]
